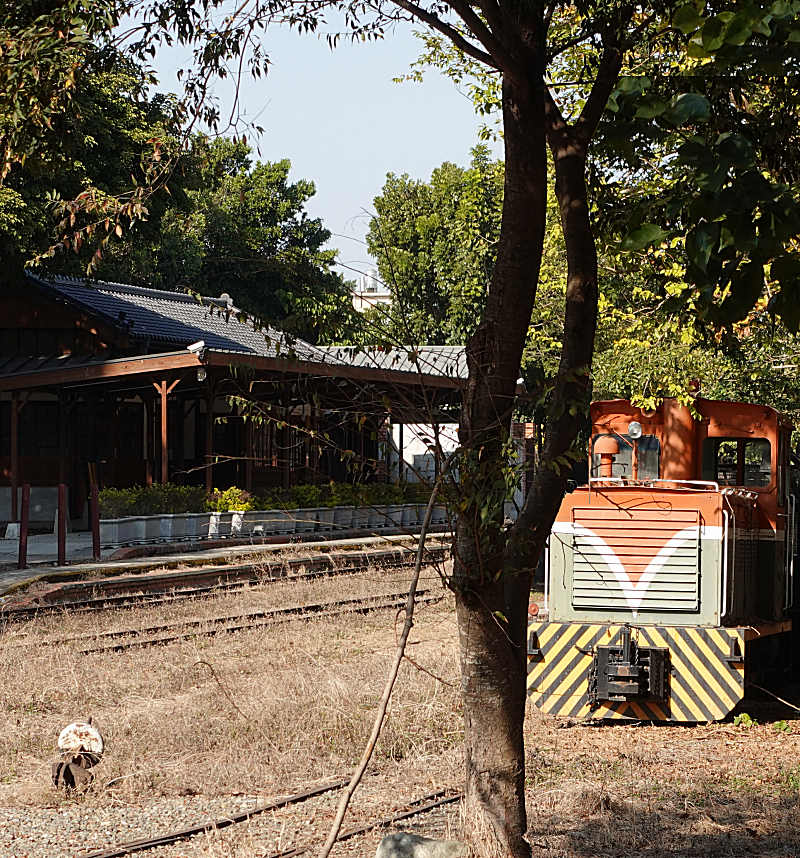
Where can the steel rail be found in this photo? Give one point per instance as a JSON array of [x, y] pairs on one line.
[[184, 833], [426, 803], [281, 615], [386, 560], [419, 806], [204, 621]]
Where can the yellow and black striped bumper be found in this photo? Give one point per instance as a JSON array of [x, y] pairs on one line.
[[706, 678]]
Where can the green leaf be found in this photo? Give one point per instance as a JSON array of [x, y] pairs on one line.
[[650, 107], [738, 30], [794, 36], [686, 19], [689, 107], [701, 242], [713, 34], [631, 85], [643, 236]]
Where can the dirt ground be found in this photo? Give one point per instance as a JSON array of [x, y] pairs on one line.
[[270, 711]]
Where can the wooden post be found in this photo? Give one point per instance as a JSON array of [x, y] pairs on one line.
[[164, 391], [62, 524], [248, 462], [62, 438], [23, 526], [148, 433], [400, 460], [209, 441], [94, 515], [14, 455]]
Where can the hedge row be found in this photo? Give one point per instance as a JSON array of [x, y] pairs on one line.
[[168, 498]]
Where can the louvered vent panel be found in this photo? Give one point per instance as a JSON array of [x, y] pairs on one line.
[[637, 560]]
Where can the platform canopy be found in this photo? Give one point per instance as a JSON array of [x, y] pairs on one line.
[[89, 366]]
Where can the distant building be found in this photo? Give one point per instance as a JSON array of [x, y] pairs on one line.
[[370, 291]]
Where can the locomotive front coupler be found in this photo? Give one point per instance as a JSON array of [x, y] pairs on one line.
[[627, 671]]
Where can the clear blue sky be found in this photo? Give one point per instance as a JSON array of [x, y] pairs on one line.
[[344, 124]]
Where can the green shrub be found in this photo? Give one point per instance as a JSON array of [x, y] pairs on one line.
[[151, 500], [233, 498], [159, 499], [306, 496]]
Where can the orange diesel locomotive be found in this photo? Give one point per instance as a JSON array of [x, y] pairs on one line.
[[669, 578]]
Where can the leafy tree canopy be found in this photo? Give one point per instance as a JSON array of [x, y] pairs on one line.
[[95, 147], [244, 230]]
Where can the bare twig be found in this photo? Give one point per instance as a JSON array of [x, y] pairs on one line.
[[772, 694], [380, 717]]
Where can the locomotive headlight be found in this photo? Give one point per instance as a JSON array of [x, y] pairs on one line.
[[635, 430]]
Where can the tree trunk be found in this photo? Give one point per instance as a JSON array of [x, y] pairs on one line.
[[491, 605], [572, 391]]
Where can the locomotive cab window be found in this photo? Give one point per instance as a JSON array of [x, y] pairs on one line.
[[738, 461], [649, 457]]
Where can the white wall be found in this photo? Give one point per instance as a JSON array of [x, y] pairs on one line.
[[418, 440]]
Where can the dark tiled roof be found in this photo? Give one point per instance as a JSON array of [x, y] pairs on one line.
[[177, 318], [450, 361]]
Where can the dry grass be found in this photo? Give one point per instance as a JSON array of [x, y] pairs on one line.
[[663, 791], [261, 711], [272, 710]]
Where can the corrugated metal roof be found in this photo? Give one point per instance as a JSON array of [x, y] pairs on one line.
[[177, 318], [450, 361]]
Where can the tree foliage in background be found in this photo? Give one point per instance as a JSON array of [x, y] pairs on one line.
[[243, 229], [218, 223], [95, 146], [435, 244]]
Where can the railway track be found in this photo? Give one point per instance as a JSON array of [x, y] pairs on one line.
[[415, 807], [171, 587], [119, 640]]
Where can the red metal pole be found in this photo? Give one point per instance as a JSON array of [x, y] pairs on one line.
[[23, 526], [94, 512], [164, 444], [62, 524], [14, 455]]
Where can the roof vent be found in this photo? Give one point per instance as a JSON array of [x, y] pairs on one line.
[[226, 298]]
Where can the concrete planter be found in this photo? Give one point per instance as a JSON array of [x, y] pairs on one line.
[[361, 517], [376, 517], [237, 522], [152, 528], [197, 525], [109, 531], [325, 518], [180, 524], [439, 514], [219, 525], [342, 517], [131, 529], [305, 519], [395, 513], [410, 515], [270, 522], [288, 523]]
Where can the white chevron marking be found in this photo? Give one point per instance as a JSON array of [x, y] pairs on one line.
[[634, 591]]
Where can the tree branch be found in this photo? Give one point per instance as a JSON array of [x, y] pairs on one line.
[[603, 86], [554, 123], [451, 32], [387, 692]]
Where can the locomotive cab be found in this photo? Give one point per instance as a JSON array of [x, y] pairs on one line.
[[667, 567]]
